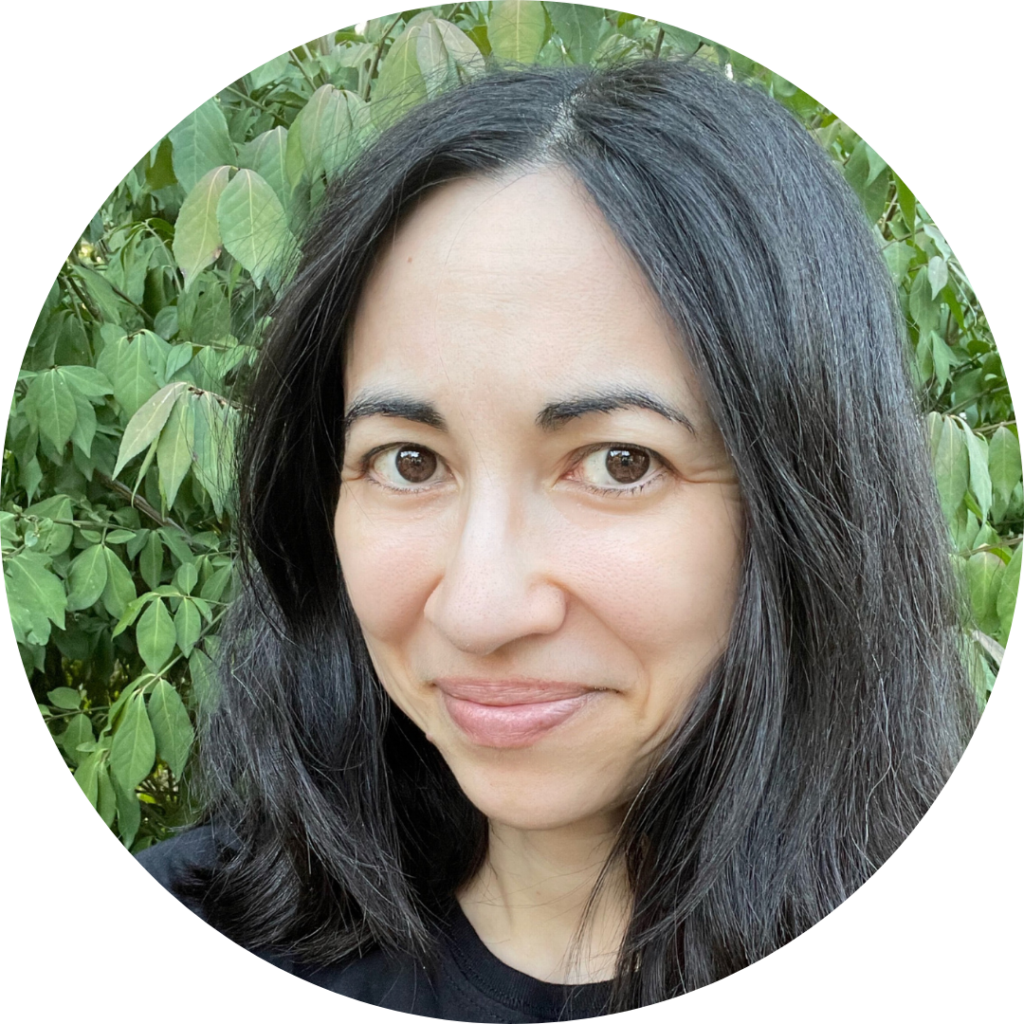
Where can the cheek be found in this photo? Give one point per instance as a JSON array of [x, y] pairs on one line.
[[666, 585], [389, 571]]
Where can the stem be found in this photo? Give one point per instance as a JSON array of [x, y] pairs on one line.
[[93, 311], [658, 42], [377, 56], [203, 632], [140, 503], [968, 402], [131, 302], [305, 73], [256, 103], [889, 212], [904, 238], [993, 427], [80, 524], [117, 291]]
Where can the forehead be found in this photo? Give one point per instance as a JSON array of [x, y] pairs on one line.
[[512, 288]]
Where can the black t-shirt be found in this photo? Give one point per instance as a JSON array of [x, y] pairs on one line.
[[467, 983]]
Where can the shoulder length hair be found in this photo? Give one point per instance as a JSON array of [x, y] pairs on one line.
[[841, 703]]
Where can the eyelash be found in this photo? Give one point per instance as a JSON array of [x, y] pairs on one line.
[[615, 492]]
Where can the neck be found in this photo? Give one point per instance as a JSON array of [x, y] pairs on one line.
[[528, 903]]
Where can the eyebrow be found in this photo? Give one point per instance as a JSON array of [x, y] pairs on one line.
[[553, 416]]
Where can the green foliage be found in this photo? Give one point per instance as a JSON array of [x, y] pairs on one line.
[[116, 519]]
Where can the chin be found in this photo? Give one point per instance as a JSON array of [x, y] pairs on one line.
[[530, 803]]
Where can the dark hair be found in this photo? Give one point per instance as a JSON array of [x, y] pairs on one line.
[[841, 703]]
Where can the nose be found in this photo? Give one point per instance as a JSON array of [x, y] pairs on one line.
[[496, 585]]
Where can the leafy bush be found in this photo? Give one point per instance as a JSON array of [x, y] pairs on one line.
[[116, 518]]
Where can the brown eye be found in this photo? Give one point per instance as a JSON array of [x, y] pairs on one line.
[[416, 465], [627, 465]]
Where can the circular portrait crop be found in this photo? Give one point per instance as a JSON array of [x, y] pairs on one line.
[[512, 512]]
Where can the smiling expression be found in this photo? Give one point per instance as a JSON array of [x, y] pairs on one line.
[[539, 527]]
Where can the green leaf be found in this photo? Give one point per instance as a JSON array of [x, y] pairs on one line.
[[952, 466], [400, 84], [114, 715], [155, 635], [174, 449], [131, 612], [984, 575], [51, 407], [578, 26], [254, 227], [133, 750], [151, 561], [188, 624], [120, 536], [923, 309], [176, 543], [78, 732], [898, 257], [981, 483], [936, 236], [200, 143], [214, 586], [215, 422], [863, 172], [86, 380], [59, 538], [106, 800], [178, 357], [160, 172], [85, 775], [271, 162], [203, 674], [876, 165], [325, 135], [9, 538], [119, 591], [84, 430], [1006, 599], [111, 307], [942, 358], [436, 64], [31, 584], [87, 577], [516, 30], [1004, 462], [147, 423], [171, 726], [461, 49], [907, 202], [64, 697], [129, 365], [204, 608], [186, 577], [129, 814], [197, 240], [137, 543], [938, 275]]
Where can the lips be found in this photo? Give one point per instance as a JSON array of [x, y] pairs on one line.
[[511, 713], [507, 692]]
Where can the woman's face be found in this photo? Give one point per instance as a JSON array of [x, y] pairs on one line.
[[539, 527]]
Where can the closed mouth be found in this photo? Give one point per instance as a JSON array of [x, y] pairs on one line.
[[504, 692]]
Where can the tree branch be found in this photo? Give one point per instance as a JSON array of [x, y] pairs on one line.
[[305, 73], [140, 503], [377, 55]]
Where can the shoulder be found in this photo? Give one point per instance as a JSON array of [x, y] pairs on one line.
[[175, 859], [392, 981]]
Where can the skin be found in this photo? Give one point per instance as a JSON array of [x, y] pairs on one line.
[[522, 555]]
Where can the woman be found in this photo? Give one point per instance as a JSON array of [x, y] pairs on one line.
[[597, 633]]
